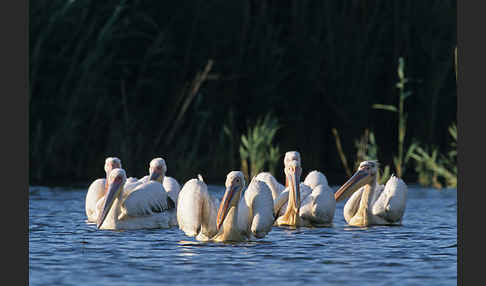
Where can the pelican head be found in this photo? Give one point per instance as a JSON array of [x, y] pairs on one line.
[[235, 182], [291, 156], [112, 163], [157, 169], [293, 171], [116, 180], [315, 178], [365, 174]]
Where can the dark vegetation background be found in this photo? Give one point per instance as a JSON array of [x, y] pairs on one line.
[[128, 79]]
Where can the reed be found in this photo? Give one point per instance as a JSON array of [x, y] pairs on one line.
[[456, 65], [341, 153], [257, 151], [367, 150], [138, 79], [401, 159], [436, 169]]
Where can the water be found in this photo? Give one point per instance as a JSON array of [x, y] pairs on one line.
[[65, 250]]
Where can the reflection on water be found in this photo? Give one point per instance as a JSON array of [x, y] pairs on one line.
[[65, 250]]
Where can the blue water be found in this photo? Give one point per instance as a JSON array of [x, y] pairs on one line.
[[65, 250]]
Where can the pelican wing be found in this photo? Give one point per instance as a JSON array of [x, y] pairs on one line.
[[390, 205], [305, 191], [275, 187], [144, 179], [96, 191], [145, 199], [352, 205], [172, 187], [131, 184], [197, 210], [280, 204], [255, 210], [319, 206], [131, 180]]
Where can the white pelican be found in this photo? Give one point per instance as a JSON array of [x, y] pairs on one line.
[[301, 204], [372, 204], [97, 189], [305, 204], [145, 206], [275, 186], [237, 219], [171, 186]]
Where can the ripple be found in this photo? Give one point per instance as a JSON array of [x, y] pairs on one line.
[[65, 249]]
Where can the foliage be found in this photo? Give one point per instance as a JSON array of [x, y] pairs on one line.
[[437, 170], [367, 150], [455, 61], [401, 159], [256, 149], [341, 153], [140, 79], [431, 168]]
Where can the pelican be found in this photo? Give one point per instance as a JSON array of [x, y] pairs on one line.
[[171, 186], [300, 204], [145, 206], [238, 218], [305, 204], [97, 189], [370, 203], [274, 185]]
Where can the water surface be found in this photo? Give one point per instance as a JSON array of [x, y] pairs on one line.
[[65, 250]]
